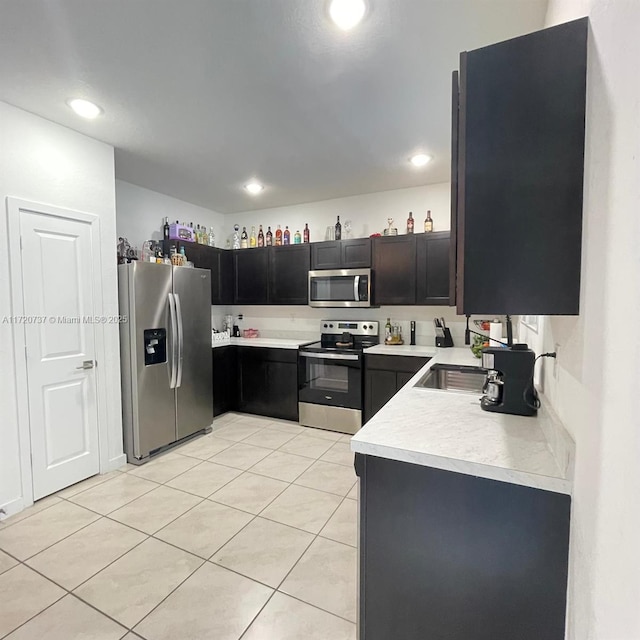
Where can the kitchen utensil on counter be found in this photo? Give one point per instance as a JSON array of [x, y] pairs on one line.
[[443, 334], [412, 326]]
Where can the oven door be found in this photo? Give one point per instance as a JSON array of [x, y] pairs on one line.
[[333, 379], [340, 288]]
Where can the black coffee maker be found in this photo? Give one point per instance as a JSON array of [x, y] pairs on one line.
[[509, 385]]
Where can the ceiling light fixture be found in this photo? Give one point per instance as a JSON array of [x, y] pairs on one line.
[[420, 159], [253, 187], [347, 13], [85, 108]]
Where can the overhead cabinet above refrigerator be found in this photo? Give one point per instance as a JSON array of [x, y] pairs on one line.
[[165, 349]]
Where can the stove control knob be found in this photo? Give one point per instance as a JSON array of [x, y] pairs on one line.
[[325, 325], [330, 326]]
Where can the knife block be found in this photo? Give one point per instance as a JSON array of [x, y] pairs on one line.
[[446, 340]]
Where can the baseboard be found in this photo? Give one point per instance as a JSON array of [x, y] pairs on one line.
[[13, 507], [115, 463]]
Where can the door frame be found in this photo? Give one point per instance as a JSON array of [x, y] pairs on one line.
[[14, 207]]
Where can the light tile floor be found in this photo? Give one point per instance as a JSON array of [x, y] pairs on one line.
[[246, 533]]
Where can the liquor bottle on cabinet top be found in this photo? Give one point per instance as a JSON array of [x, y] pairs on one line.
[[278, 236], [165, 229], [297, 238], [305, 233], [287, 235], [428, 223], [338, 234], [269, 237], [244, 239], [260, 237], [212, 238], [253, 241], [410, 223]]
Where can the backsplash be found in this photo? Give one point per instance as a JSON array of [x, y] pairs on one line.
[[303, 323]]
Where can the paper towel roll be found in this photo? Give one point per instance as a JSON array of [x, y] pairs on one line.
[[495, 333]]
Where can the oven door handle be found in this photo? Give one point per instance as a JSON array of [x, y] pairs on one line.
[[356, 289], [329, 356]]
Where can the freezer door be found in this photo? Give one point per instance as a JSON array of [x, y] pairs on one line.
[[150, 414], [192, 289]]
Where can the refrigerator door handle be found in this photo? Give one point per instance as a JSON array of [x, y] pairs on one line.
[[180, 339], [174, 342]]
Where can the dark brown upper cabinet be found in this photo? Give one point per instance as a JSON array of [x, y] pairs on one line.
[[432, 265], [519, 159], [341, 254], [220, 263], [251, 276], [394, 264], [289, 274]]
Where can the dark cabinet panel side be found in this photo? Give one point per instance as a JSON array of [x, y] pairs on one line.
[[523, 141], [453, 255], [283, 390]]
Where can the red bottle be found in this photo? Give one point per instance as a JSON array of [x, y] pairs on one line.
[[278, 236], [305, 233]]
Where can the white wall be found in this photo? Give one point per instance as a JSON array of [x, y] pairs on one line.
[[596, 385], [44, 162], [140, 214], [368, 213]]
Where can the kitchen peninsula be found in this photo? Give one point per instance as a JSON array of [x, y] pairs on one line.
[[481, 502]]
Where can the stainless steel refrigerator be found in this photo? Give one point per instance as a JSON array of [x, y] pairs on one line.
[[165, 350]]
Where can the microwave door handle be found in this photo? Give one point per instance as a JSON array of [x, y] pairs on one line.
[[174, 342], [356, 289]]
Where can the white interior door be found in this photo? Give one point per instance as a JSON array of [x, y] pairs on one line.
[[57, 275]]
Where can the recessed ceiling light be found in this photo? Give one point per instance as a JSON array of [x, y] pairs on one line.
[[347, 13], [420, 159], [253, 187], [85, 108]]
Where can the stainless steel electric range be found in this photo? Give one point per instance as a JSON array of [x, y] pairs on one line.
[[330, 375]]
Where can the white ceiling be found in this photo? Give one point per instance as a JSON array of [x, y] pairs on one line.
[[201, 95]]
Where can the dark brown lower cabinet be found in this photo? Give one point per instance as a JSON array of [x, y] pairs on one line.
[[268, 382], [448, 555], [384, 376], [225, 377]]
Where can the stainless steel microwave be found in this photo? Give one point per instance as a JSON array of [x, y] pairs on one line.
[[340, 288]]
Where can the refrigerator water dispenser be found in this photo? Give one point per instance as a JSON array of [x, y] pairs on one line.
[[155, 346]]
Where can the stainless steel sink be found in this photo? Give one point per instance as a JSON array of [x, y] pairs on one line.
[[451, 377]]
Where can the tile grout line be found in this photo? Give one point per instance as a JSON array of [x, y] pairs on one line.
[[254, 516]]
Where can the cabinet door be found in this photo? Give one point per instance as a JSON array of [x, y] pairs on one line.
[[521, 155], [380, 386], [226, 279], [283, 390], [326, 255], [394, 262], [251, 278], [432, 253], [253, 380], [356, 254], [225, 378], [289, 274]]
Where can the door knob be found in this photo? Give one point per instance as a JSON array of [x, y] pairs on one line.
[[87, 364]]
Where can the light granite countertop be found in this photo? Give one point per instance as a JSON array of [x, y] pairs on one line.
[[274, 343], [448, 430], [404, 350]]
